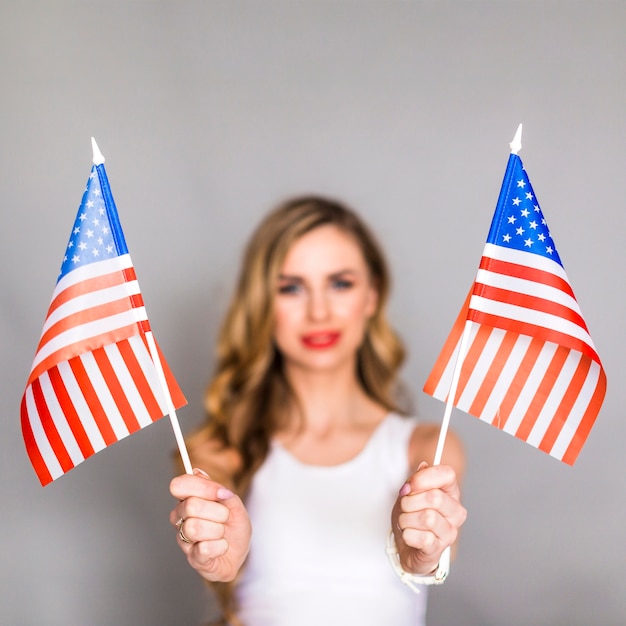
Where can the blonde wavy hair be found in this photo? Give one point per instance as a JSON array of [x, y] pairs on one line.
[[248, 397]]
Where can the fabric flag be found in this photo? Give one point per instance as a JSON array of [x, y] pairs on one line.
[[93, 380], [530, 366]]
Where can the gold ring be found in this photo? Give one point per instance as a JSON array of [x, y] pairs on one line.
[[181, 534]]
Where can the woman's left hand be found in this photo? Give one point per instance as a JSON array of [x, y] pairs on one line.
[[427, 516]]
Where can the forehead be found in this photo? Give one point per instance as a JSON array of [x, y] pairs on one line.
[[324, 250]]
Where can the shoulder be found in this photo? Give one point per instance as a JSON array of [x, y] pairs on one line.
[[423, 445], [208, 453]]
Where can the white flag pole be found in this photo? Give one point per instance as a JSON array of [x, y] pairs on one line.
[[516, 146], [182, 448], [98, 159]]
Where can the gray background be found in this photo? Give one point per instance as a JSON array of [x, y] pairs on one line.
[[208, 114]]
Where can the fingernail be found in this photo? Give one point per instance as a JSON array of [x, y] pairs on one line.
[[422, 465], [405, 489], [198, 472], [224, 494]]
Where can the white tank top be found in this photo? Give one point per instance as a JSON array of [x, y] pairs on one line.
[[317, 556]]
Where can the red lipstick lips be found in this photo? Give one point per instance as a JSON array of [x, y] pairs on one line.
[[320, 340]]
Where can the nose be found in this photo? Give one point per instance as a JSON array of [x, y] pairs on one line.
[[319, 306]]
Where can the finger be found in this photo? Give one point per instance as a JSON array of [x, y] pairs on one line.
[[186, 485], [433, 477], [196, 529]]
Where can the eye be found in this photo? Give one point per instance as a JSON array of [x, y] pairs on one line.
[[289, 288], [342, 284]]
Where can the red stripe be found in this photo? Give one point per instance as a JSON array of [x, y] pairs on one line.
[[140, 380], [587, 421], [93, 401], [517, 384], [116, 389], [542, 392], [85, 316], [77, 348], [69, 412], [89, 285], [529, 302], [430, 387], [515, 270], [471, 358], [493, 373], [41, 469], [532, 330], [566, 405], [176, 393], [50, 429]]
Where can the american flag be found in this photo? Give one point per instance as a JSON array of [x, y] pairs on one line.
[[530, 367], [93, 380]]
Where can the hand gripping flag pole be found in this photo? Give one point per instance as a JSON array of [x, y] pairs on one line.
[[519, 355], [98, 374]]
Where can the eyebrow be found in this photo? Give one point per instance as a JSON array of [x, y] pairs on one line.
[[299, 279]]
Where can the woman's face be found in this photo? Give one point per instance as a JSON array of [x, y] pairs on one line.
[[323, 300]]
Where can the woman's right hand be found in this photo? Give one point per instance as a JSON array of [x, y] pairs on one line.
[[215, 523]]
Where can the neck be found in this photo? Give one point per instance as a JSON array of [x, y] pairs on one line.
[[328, 399]]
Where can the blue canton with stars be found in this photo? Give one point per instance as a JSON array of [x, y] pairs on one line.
[[97, 234], [518, 221]]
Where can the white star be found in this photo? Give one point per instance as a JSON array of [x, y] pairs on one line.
[[528, 243], [100, 240], [506, 238], [70, 244], [521, 183], [75, 259], [95, 252], [89, 233], [516, 201], [520, 231], [82, 245], [76, 230], [105, 230], [82, 217], [90, 204], [541, 237], [96, 192], [524, 212], [92, 175], [95, 221], [101, 210], [109, 248], [512, 219], [533, 225], [529, 196], [549, 249]]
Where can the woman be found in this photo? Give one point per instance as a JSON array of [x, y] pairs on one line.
[[303, 426]]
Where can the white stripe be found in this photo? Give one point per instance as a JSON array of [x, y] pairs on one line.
[[568, 431], [527, 287], [491, 410], [477, 376], [39, 434], [90, 329], [444, 383], [92, 270], [90, 300], [530, 316], [145, 361], [104, 395], [555, 396], [60, 421], [527, 394], [128, 384], [529, 259], [80, 405]]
